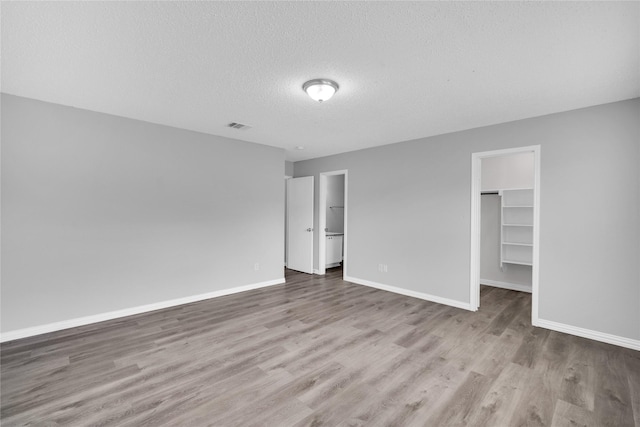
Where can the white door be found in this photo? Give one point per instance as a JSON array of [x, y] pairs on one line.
[[300, 222]]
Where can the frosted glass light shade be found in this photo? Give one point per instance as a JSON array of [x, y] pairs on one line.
[[320, 89]]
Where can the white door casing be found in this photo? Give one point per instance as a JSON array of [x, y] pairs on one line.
[[300, 224]]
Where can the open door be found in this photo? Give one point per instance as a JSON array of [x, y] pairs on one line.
[[300, 224]]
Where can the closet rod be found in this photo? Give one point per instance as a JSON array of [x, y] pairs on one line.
[[331, 207], [487, 193]]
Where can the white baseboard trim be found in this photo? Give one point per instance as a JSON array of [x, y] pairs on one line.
[[316, 271], [81, 321], [410, 293], [506, 285], [588, 333]]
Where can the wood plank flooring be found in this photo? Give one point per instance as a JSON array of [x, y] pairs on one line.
[[320, 351]]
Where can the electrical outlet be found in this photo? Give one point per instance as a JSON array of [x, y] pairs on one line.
[[385, 268], [256, 266], [382, 268]]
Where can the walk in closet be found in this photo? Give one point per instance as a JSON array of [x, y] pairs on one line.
[[507, 221]]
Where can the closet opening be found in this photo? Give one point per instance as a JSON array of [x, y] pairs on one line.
[[505, 222], [332, 221]]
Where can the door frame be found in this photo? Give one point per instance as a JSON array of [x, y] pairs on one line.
[[476, 188], [322, 220], [286, 219]]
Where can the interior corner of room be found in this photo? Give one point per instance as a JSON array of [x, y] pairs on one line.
[[106, 213], [407, 228], [320, 213]]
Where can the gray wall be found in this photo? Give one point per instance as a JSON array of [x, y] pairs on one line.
[[512, 171], [409, 207], [101, 213]]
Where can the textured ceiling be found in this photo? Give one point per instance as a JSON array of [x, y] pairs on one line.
[[406, 70]]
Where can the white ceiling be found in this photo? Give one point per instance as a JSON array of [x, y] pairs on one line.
[[406, 70]]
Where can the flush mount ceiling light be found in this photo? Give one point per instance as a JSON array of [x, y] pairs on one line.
[[320, 89]]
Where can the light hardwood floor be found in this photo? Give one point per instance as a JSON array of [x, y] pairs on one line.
[[320, 351]]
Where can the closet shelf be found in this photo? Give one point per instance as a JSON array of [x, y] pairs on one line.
[[517, 244], [516, 232], [513, 261]]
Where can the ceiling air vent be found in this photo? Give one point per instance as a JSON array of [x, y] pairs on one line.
[[235, 125]]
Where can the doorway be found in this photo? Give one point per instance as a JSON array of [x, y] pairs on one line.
[[525, 251], [332, 220]]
